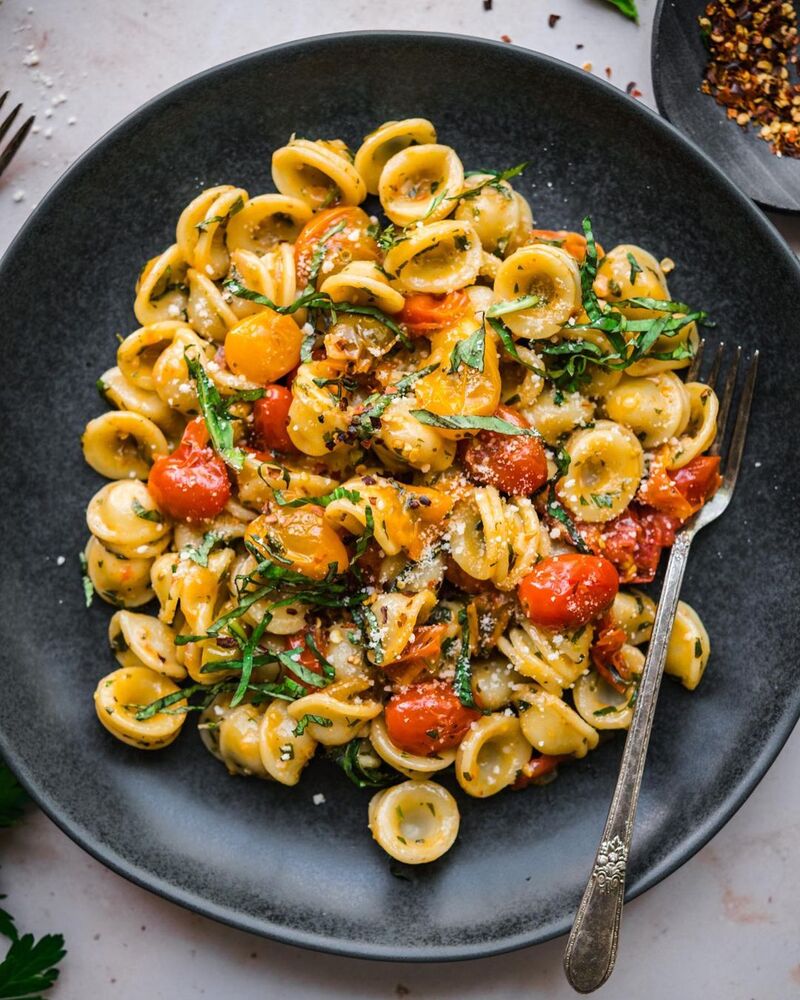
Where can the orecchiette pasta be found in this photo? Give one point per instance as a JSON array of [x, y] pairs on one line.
[[415, 822], [382, 480]]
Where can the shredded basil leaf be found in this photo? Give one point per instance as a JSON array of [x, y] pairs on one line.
[[215, 414], [462, 681], [460, 422], [469, 351], [306, 720], [146, 513]]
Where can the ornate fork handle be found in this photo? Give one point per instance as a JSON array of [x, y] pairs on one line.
[[592, 946]]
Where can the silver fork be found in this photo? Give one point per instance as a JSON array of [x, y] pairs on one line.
[[7, 155], [592, 946]]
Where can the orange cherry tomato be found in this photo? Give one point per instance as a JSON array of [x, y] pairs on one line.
[[263, 347], [426, 644], [573, 243], [424, 313], [271, 418], [569, 590], [536, 768], [192, 483], [300, 539], [427, 717], [512, 463], [352, 242]]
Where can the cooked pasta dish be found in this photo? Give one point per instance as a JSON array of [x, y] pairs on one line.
[[387, 479]]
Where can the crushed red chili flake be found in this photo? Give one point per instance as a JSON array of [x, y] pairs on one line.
[[752, 48], [608, 72], [553, 20], [579, 45], [631, 87], [505, 38], [487, 4]]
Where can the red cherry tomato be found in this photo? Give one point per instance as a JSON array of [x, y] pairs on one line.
[[306, 658], [427, 718], [634, 541], [512, 463], [684, 491], [568, 591], [271, 418], [192, 483], [606, 645], [424, 313], [699, 480], [537, 768]]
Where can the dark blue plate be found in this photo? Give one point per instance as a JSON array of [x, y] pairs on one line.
[[260, 856]]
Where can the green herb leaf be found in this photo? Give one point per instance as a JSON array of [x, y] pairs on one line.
[[608, 710], [459, 422], [12, 798], [512, 305], [469, 351], [626, 7], [237, 206], [306, 720], [29, 967], [201, 552], [340, 493], [462, 681], [603, 499], [366, 423], [635, 269], [215, 414], [494, 179], [362, 775], [557, 511], [365, 618], [146, 513], [88, 586]]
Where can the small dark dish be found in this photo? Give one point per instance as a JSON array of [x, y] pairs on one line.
[[260, 856], [678, 59]]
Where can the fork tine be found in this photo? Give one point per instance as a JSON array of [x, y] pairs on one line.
[[9, 122], [694, 368], [711, 381], [3, 97], [736, 449], [725, 402], [10, 151]]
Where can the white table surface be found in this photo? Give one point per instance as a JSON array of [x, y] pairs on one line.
[[724, 926]]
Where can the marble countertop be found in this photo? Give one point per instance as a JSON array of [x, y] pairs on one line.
[[726, 925]]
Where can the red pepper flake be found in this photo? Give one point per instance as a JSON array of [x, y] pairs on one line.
[[752, 47], [553, 20], [579, 45], [608, 72], [487, 4], [636, 93], [630, 88], [505, 38]]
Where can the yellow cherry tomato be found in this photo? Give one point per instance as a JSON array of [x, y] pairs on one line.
[[263, 347], [299, 539], [465, 391]]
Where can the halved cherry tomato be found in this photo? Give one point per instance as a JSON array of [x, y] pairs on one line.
[[271, 418], [573, 243], [683, 492], [424, 313], [428, 717], [536, 768], [192, 483], [306, 658], [699, 480], [300, 539], [633, 542], [426, 644], [352, 242], [263, 347], [607, 642], [569, 590], [512, 463]]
